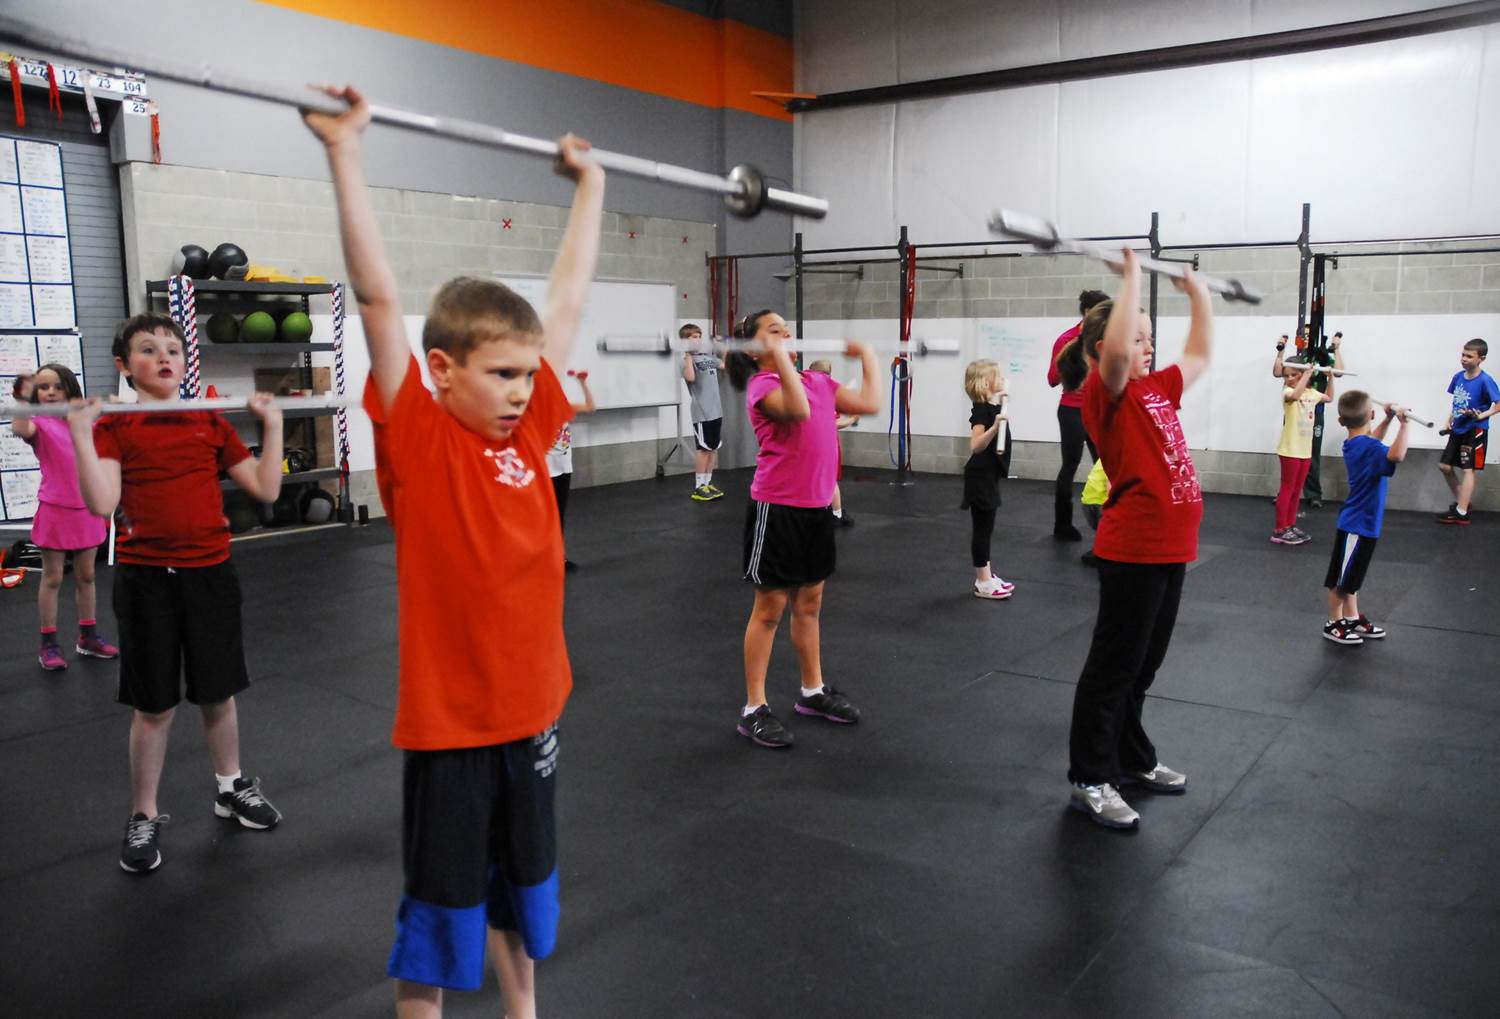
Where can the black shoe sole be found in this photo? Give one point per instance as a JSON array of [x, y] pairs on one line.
[[815, 713], [760, 742], [142, 870], [1102, 821]]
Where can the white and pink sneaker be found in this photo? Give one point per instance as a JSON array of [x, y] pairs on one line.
[[994, 589]]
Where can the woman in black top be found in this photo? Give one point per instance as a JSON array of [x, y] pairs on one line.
[[989, 461]]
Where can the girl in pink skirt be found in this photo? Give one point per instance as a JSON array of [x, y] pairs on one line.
[[62, 523]]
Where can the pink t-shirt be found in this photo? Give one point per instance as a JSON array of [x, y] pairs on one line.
[[53, 446], [799, 460]]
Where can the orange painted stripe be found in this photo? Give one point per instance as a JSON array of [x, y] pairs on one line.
[[636, 44]]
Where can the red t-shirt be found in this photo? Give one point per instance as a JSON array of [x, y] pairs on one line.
[[171, 505], [1155, 504], [1073, 397], [479, 554]]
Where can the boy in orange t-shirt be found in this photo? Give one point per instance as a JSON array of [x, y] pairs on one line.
[[484, 670]]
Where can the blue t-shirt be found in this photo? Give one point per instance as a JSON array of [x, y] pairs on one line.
[[1474, 394], [1369, 470]]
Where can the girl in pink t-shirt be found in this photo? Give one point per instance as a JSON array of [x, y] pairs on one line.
[[789, 549], [62, 523]]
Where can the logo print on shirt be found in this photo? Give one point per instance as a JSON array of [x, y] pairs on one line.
[[510, 469], [1174, 450]]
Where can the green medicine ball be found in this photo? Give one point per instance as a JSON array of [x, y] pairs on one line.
[[223, 328], [296, 328], [258, 327]]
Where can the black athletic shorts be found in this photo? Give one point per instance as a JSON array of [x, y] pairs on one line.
[[176, 623], [1351, 558], [1466, 452], [706, 434], [479, 850], [788, 546]]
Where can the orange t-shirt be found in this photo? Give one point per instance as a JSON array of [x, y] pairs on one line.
[[479, 554]]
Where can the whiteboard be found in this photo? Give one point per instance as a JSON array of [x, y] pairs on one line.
[[619, 308]]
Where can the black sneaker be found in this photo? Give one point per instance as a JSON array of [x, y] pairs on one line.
[[1067, 532], [569, 566], [765, 728], [844, 520], [140, 854], [1089, 559], [248, 806], [1341, 632], [1453, 516], [829, 704]]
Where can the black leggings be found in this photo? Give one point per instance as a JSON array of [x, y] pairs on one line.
[[1074, 438], [979, 543], [1137, 611], [561, 483]]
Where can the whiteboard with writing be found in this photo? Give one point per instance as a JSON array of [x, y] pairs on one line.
[[619, 308]]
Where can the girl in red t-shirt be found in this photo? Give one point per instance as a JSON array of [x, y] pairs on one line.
[[1147, 536]]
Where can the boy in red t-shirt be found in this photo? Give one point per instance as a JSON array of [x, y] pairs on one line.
[[176, 594], [1147, 536], [484, 670]]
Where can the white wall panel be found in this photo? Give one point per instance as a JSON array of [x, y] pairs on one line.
[[1385, 140], [1173, 141], [1285, 15], [847, 155], [1385, 135], [1484, 183], [960, 157], [845, 44], [969, 36], [1094, 27]]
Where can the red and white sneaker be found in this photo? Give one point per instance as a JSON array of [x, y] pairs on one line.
[[1365, 628]]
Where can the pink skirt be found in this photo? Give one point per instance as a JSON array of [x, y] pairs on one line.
[[66, 528]]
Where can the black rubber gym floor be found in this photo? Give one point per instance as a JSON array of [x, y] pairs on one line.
[[1334, 854]]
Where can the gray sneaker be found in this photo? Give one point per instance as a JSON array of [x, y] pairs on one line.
[[1103, 806], [1160, 779]]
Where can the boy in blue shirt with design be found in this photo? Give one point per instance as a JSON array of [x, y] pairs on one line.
[[1475, 399], [1370, 464]]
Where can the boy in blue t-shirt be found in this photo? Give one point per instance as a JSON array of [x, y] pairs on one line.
[[1370, 464], [1476, 398]]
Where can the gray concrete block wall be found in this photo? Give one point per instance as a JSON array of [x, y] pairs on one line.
[[430, 237]]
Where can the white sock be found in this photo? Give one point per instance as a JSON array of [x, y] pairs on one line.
[[226, 782], [699, 480], [750, 709], [1461, 512], [708, 479], [812, 691], [838, 513]]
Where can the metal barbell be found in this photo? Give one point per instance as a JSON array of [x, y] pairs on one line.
[[1042, 234], [327, 401], [665, 346], [744, 189]]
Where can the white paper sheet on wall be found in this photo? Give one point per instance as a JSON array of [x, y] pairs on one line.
[[45, 210], [39, 163], [18, 489], [15, 306], [15, 452], [10, 206], [12, 258], [54, 306], [7, 161], [49, 261]]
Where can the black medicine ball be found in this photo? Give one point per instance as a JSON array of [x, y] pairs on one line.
[[191, 260], [228, 262]]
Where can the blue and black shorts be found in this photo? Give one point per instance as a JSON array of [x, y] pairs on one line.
[[479, 848], [1351, 558]]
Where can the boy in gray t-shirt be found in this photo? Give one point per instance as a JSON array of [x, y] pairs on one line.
[[700, 369]]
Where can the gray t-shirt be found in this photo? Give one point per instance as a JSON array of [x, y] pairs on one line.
[[704, 389]]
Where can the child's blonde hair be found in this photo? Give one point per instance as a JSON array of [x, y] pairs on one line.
[[976, 375], [826, 367]]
